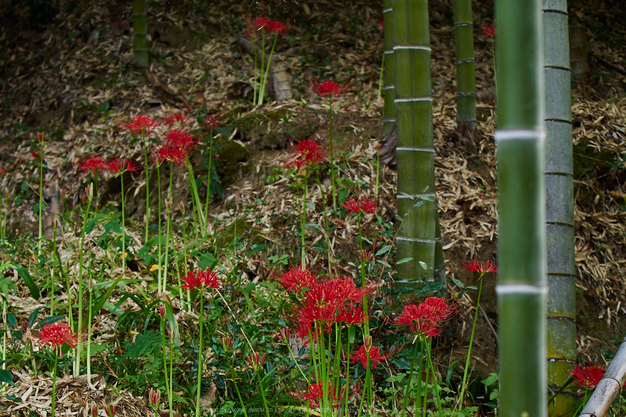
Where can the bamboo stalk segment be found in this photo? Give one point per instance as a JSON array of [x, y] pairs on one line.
[[140, 39], [389, 109], [522, 282], [415, 150], [559, 178], [465, 66]]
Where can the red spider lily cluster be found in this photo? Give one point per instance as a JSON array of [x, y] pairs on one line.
[[122, 165], [201, 279], [361, 205], [95, 164], [54, 335], [323, 302], [309, 153], [423, 319], [329, 87], [480, 266], [263, 23], [589, 376], [178, 144], [316, 393], [141, 124], [374, 356]]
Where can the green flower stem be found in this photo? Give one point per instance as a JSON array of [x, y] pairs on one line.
[[418, 398], [469, 349], [201, 325], [337, 359], [89, 328], [326, 224], [123, 229], [159, 243], [79, 325], [258, 377], [168, 385], [255, 91], [345, 411], [168, 206], [185, 256], [266, 73], [303, 218], [5, 327], [196, 197], [293, 358], [54, 380], [208, 181], [377, 169], [53, 271], [332, 155], [40, 137], [366, 321], [243, 407], [432, 370], [145, 157]]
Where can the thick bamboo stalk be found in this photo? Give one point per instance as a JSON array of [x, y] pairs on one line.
[[609, 386], [522, 283], [140, 40], [465, 67], [415, 150], [559, 174], [389, 109]]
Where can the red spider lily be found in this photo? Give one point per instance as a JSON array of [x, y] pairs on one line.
[[381, 23], [480, 267], [155, 395], [330, 302], [94, 410], [360, 206], [316, 393], [94, 165], [277, 27], [589, 376], [211, 121], [351, 316], [3, 171], [423, 318], [295, 279], [255, 360], [171, 153], [489, 31], [54, 335], [176, 118], [283, 334], [34, 154], [200, 280], [141, 124], [122, 165], [261, 23], [307, 147], [180, 139], [374, 353], [329, 87]]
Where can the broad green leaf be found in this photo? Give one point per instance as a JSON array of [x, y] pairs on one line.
[[7, 377], [404, 260], [383, 250]]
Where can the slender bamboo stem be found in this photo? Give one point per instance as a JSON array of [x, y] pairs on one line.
[[522, 283]]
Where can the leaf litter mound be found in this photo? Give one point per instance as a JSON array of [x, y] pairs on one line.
[[74, 78]]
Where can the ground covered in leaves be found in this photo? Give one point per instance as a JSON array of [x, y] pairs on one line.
[[69, 73]]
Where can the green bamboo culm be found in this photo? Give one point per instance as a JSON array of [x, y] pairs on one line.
[[415, 150], [389, 108], [465, 68], [559, 178], [522, 283], [140, 39]]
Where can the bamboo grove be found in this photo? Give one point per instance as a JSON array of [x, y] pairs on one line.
[[535, 248]]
